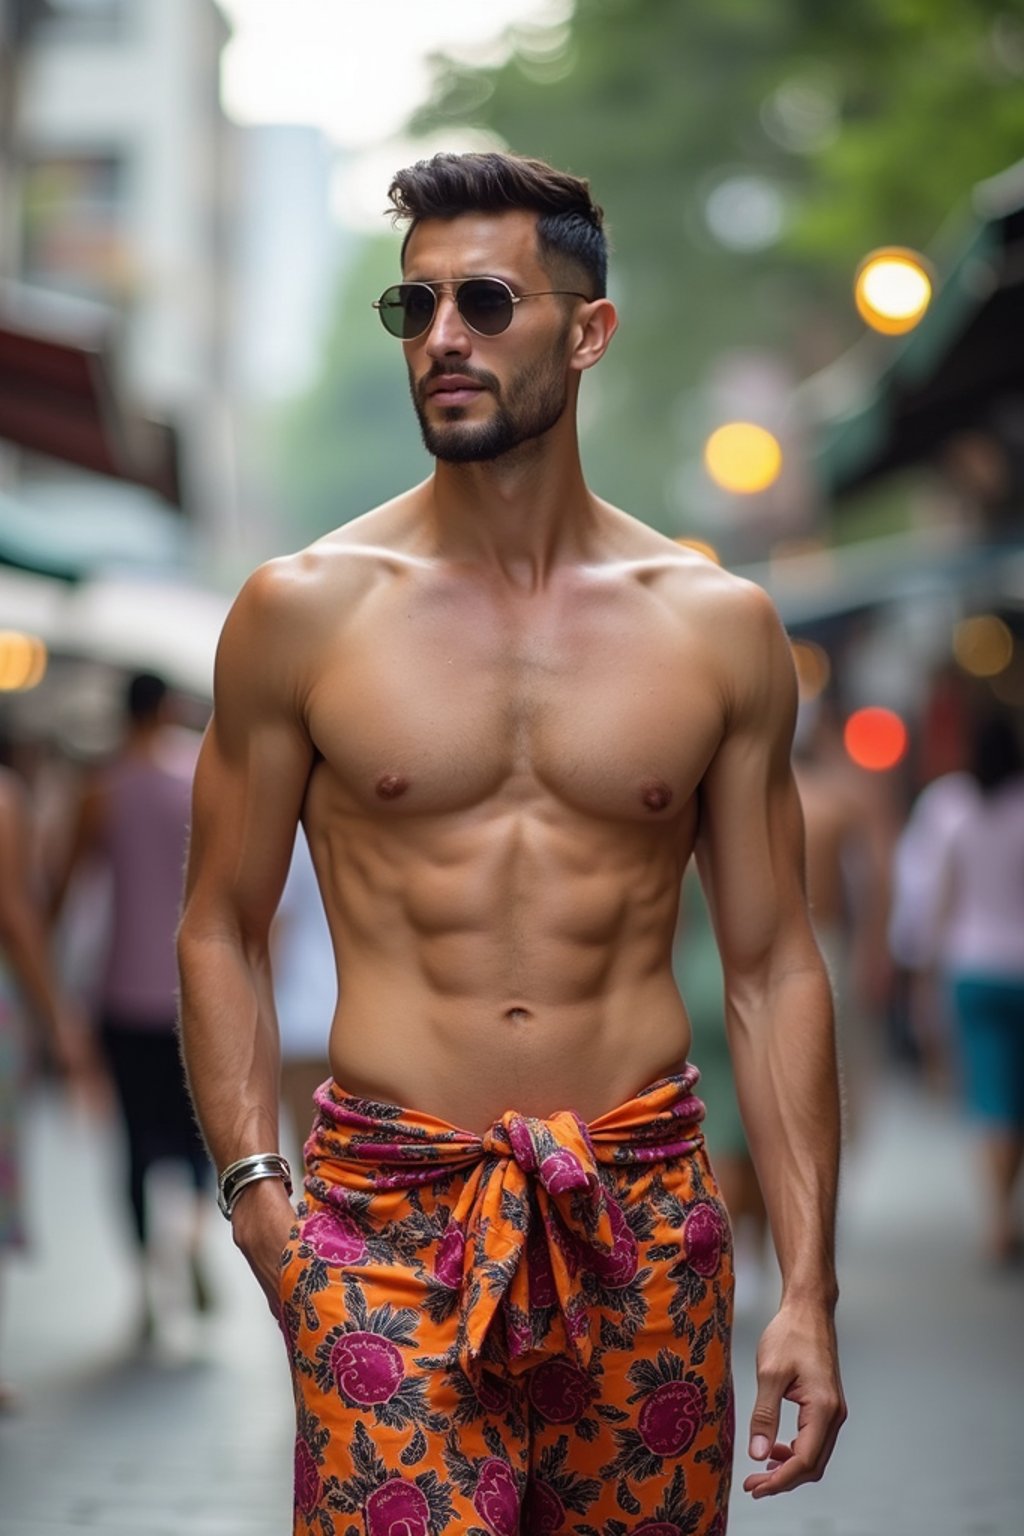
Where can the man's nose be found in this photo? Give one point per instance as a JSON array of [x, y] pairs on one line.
[[449, 333]]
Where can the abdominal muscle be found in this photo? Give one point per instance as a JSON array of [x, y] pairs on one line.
[[496, 962]]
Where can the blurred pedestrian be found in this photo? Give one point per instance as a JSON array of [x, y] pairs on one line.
[[917, 885], [305, 989], [26, 976], [133, 817], [979, 942]]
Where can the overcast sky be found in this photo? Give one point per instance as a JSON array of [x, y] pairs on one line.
[[357, 68]]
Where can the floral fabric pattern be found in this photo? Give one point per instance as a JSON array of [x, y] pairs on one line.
[[526, 1331]]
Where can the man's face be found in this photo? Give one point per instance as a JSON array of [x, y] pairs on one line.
[[478, 397]]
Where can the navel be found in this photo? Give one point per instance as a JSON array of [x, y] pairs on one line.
[[391, 785], [656, 794], [517, 1015]]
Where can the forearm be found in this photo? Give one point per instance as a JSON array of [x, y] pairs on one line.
[[783, 1041], [229, 1044], [24, 944]]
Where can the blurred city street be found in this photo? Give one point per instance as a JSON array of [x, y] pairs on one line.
[[196, 1437], [232, 236]]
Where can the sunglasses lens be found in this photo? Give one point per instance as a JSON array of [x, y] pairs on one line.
[[407, 309], [485, 305]]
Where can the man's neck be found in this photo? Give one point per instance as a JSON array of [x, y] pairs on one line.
[[520, 515]]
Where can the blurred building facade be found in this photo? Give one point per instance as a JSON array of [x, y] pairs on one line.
[[209, 245], [119, 193]]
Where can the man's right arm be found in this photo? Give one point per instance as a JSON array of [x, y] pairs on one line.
[[249, 787]]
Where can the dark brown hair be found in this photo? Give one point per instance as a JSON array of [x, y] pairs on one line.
[[570, 225]]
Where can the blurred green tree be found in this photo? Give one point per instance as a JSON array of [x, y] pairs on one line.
[[351, 441], [748, 152]]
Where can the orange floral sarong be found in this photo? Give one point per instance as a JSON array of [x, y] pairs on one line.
[[522, 1332]]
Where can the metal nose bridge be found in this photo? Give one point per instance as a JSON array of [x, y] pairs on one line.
[[447, 288]]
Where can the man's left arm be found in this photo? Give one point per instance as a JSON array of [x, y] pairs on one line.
[[779, 1021]]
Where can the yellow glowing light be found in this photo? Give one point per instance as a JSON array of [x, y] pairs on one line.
[[702, 547], [22, 661], [813, 669], [983, 645], [743, 457], [892, 289]]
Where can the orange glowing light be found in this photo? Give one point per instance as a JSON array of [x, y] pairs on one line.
[[892, 289], [983, 645], [702, 547], [875, 738], [813, 669], [23, 661], [743, 458]]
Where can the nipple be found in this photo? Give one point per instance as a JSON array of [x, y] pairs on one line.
[[391, 785], [656, 795]]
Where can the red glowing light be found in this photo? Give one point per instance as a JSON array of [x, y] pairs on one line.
[[875, 738]]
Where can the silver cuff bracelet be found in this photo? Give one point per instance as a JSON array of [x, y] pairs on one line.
[[247, 1170]]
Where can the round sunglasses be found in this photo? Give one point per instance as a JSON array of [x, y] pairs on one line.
[[486, 304]]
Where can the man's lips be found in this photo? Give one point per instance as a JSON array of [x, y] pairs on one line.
[[454, 389]]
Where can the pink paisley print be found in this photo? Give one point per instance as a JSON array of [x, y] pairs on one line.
[[367, 1368], [618, 1267], [333, 1237], [307, 1478], [397, 1508], [703, 1235], [670, 1418], [560, 1391], [496, 1499], [522, 1144], [543, 1510], [561, 1171], [448, 1259]]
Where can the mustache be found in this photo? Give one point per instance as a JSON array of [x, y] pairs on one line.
[[478, 375]]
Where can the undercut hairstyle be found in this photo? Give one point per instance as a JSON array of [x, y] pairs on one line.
[[570, 225]]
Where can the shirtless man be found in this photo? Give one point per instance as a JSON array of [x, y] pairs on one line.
[[505, 713]]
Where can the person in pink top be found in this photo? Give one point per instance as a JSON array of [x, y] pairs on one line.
[[979, 942], [134, 818]]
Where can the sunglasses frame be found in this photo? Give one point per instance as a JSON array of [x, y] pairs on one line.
[[454, 286]]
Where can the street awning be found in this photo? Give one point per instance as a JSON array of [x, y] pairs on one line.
[[888, 404], [58, 395]]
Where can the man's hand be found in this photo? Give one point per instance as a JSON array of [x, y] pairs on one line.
[[262, 1221], [796, 1362]]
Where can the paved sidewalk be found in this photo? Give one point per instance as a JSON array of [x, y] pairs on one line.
[[197, 1441]]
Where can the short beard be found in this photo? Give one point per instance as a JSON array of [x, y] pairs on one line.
[[537, 399]]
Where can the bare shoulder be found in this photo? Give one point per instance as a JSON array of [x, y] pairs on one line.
[[693, 583], [291, 598], [730, 628]]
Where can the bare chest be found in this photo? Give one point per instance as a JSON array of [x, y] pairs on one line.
[[605, 707]]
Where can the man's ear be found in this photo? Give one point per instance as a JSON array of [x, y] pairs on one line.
[[593, 328]]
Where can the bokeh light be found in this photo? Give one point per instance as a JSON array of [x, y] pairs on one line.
[[702, 547], [875, 738], [742, 457], [892, 289], [22, 661], [983, 645], [813, 669]]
